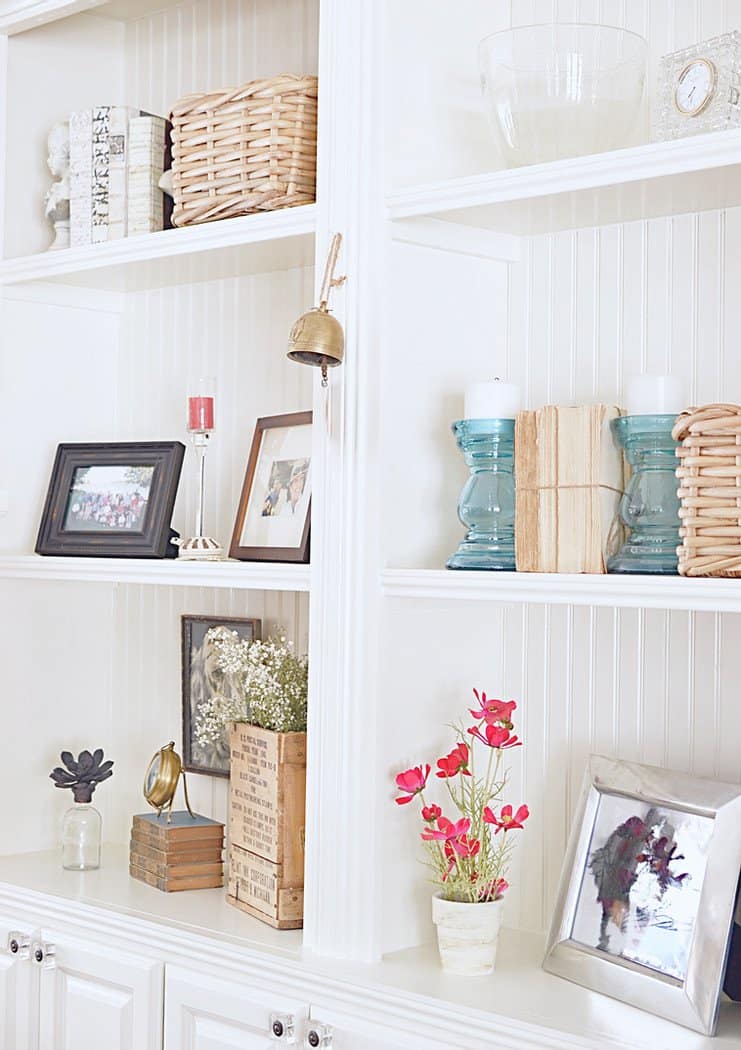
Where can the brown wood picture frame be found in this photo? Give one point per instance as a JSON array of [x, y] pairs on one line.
[[253, 552], [94, 539], [216, 764]]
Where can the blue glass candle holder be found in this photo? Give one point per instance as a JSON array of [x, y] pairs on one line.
[[487, 503], [649, 509]]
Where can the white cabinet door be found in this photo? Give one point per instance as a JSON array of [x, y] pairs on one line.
[[94, 996], [18, 992], [341, 1031], [205, 1013]]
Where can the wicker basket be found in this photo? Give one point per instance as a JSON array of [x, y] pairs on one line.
[[246, 150], [710, 490]]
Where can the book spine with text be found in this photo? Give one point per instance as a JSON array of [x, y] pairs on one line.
[[81, 174], [100, 190], [147, 137], [118, 139]]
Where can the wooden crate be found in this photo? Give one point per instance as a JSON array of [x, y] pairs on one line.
[[266, 824], [259, 887]]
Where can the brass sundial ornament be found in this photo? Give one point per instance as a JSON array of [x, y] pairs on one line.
[[161, 781]]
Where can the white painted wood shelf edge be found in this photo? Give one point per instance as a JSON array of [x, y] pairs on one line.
[[684, 165], [647, 592], [292, 229], [519, 1008], [240, 575], [16, 16]]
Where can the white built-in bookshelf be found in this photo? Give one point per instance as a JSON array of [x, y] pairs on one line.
[[566, 278]]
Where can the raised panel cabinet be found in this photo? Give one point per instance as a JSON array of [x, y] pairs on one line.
[[205, 1013], [90, 994], [341, 1031], [18, 991]]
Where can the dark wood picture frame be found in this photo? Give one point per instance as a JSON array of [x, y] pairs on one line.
[[154, 540], [187, 623], [250, 553]]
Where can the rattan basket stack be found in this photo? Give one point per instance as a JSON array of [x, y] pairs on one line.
[[245, 150], [710, 490]]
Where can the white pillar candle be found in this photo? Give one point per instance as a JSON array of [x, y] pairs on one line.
[[654, 396], [492, 400]]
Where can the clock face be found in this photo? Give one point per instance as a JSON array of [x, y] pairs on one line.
[[696, 87]]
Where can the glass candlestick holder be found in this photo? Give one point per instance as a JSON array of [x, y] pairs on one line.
[[649, 509], [201, 547], [487, 503]]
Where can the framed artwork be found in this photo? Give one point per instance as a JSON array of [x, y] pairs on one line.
[[647, 896], [202, 680], [112, 500], [274, 515]]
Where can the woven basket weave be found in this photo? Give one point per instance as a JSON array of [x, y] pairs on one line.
[[710, 490], [241, 151]]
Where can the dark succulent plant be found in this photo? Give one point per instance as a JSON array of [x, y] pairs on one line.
[[82, 776]]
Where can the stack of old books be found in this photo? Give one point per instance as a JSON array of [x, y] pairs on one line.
[[185, 854], [117, 158], [569, 474]]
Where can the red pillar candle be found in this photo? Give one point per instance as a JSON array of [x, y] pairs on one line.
[[200, 413]]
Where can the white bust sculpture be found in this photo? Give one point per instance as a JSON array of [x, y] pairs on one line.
[[57, 199]]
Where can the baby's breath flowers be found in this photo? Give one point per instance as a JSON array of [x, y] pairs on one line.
[[271, 686]]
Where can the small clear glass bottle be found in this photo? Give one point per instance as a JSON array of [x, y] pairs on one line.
[[81, 832]]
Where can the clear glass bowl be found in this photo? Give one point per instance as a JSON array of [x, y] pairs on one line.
[[556, 91]]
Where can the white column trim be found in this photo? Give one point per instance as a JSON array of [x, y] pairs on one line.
[[341, 874]]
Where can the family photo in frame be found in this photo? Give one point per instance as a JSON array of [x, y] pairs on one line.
[[112, 500], [274, 515]]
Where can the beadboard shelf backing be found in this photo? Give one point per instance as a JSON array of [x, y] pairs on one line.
[[273, 241], [239, 575], [536, 588], [645, 182]]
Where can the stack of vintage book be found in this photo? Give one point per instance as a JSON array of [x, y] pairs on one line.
[[569, 474], [117, 157], [185, 854]]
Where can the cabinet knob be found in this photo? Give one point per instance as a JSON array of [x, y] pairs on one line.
[[319, 1035], [19, 944], [283, 1029], [44, 954]]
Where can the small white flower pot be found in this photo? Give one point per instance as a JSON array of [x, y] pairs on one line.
[[467, 935]]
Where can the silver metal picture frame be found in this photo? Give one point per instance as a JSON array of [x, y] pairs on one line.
[[648, 890]]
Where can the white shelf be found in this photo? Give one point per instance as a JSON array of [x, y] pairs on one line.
[[112, 889], [532, 588], [518, 1006], [667, 178], [279, 240], [240, 575]]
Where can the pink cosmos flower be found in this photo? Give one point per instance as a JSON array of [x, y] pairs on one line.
[[412, 781], [454, 763], [496, 736], [505, 821], [462, 845], [431, 813], [494, 711], [492, 891], [447, 830]]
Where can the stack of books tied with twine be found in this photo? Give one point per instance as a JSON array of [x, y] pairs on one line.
[[569, 479], [185, 854]]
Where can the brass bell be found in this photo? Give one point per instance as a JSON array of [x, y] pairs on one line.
[[317, 338]]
